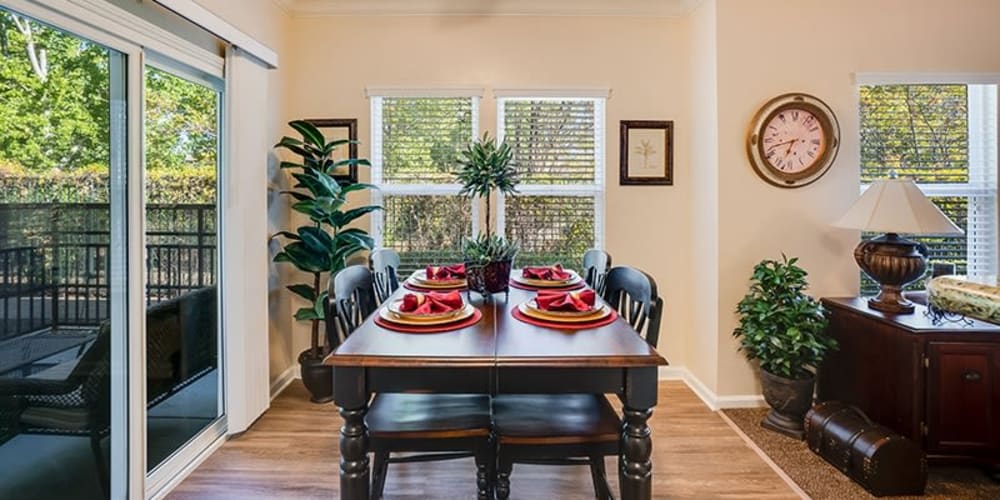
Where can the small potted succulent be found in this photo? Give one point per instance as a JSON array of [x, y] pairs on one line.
[[486, 167], [785, 331], [321, 247]]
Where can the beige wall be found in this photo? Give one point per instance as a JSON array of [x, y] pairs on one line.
[[270, 25], [641, 60], [768, 47]]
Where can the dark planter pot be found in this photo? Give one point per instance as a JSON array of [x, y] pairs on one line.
[[489, 278], [790, 399], [317, 377]]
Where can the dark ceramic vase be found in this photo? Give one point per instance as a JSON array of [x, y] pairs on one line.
[[317, 377], [789, 399], [488, 279]]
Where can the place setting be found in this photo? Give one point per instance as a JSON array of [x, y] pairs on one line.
[[437, 278], [552, 277], [566, 310], [428, 312]]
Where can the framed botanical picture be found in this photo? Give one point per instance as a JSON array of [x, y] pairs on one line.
[[336, 129], [647, 153]]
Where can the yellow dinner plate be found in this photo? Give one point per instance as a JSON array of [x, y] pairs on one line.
[[572, 280], [601, 313], [532, 304], [388, 315], [394, 308], [419, 278]]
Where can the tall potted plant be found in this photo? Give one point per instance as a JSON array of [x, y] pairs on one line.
[[784, 329], [321, 247], [486, 167]]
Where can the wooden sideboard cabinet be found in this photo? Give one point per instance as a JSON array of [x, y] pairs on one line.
[[938, 384]]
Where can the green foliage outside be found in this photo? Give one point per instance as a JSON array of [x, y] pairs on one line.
[[780, 326], [921, 132], [55, 123]]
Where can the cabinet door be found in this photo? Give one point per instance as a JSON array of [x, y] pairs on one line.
[[962, 397]]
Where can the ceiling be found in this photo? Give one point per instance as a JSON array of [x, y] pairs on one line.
[[644, 8]]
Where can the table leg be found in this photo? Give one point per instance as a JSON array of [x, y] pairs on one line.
[[635, 469], [353, 402]]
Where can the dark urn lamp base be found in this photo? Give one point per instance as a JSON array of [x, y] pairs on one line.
[[893, 262]]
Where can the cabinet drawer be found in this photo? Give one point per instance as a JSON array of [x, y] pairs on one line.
[[963, 397]]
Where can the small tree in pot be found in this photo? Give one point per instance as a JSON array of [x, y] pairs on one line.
[[322, 247], [784, 329], [485, 167]]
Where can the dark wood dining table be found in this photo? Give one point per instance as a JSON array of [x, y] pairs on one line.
[[499, 354]]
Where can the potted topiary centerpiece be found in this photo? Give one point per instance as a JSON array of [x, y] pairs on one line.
[[486, 167], [321, 247], [784, 329]]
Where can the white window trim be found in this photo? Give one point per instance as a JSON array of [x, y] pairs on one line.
[[376, 94], [595, 190], [981, 191]]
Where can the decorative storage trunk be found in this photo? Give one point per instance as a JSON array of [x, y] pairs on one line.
[[878, 459]]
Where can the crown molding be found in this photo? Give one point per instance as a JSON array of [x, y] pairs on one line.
[[604, 8]]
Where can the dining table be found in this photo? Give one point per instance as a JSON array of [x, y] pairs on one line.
[[497, 355]]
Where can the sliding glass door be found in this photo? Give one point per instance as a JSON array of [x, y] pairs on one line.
[[62, 254], [183, 382]]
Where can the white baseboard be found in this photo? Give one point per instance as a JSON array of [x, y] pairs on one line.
[[284, 380], [712, 400]]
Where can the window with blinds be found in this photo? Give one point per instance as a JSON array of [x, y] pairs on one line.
[[415, 142], [945, 138], [558, 147]]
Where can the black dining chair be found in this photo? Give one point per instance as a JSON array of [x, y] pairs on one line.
[[596, 263], [384, 264], [440, 426], [574, 429]]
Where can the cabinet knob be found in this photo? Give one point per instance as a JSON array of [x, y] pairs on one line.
[[972, 376]]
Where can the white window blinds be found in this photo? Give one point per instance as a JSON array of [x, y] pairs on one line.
[[944, 136], [415, 142], [558, 145]]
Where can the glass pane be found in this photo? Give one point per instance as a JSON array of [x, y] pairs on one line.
[[553, 141], [551, 229], [921, 131], [55, 289], [182, 337], [426, 229], [422, 137]]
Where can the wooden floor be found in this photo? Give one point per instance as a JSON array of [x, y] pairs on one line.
[[291, 453]]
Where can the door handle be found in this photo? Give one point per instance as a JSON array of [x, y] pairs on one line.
[[972, 376]]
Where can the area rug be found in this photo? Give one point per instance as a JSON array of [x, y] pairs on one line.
[[821, 481]]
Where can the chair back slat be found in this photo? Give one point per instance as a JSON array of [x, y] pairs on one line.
[[353, 300], [384, 264], [596, 263], [632, 293]]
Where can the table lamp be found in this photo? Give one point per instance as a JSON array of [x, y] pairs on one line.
[[894, 206]]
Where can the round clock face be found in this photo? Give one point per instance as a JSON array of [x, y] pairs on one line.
[[793, 140]]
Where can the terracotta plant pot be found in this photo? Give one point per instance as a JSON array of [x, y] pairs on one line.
[[789, 399], [317, 377], [489, 278]]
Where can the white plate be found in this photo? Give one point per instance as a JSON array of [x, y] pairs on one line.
[[388, 315], [533, 304], [599, 314]]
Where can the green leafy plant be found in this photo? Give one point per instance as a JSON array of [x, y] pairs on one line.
[[485, 166], [780, 326], [487, 248], [322, 247]]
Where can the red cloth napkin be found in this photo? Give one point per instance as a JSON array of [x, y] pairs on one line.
[[577, 300], [452, 272], [431, 302], [548, 273]]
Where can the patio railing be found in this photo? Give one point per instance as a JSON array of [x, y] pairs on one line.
[[54, 261]]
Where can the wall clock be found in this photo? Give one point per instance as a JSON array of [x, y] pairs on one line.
[[793, 140]]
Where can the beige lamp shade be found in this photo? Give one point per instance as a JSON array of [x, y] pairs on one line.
[[897, 206]]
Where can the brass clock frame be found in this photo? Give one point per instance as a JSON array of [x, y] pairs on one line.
[[831, 137]]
